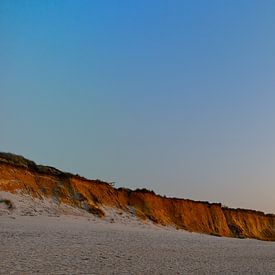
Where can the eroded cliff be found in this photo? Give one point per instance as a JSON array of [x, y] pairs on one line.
[[18, 174]]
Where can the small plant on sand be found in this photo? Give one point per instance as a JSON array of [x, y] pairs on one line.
[[8, 203]]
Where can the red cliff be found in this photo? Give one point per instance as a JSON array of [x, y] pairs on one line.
[[20, 174]]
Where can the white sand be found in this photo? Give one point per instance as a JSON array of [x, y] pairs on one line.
[[118, 244]]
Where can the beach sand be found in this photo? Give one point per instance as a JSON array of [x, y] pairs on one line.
[[54, 243]]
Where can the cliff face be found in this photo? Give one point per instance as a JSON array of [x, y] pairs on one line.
[[19, 174]]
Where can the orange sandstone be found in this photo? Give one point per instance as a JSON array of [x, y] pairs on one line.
[[20, 174]]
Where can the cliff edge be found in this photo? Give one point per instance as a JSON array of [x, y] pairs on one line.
[[18, 174]]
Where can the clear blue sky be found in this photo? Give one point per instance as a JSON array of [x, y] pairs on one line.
[[175, 96]]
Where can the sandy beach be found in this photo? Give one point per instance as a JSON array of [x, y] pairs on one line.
[[81, 245], [137, 137]]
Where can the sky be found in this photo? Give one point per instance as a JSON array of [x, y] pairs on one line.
[[174, 96]]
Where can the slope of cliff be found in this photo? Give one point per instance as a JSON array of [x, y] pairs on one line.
[[19, 175]]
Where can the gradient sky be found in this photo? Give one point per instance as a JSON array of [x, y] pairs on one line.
[[174, 96]]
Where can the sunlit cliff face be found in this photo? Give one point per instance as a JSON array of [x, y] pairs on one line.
[[19, 174]]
